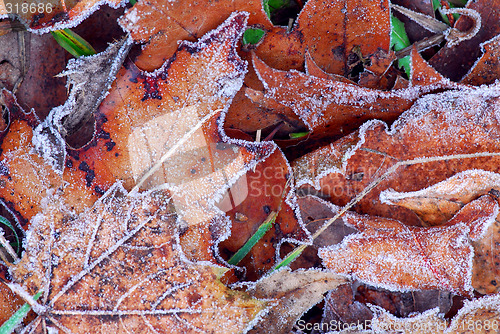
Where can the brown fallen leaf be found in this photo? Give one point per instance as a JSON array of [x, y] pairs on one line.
[[331, 108], [487, 68], [117, 268], [296, 292], [162, 24], [468, 51], [53, 14], [438, 203], [439, 126], [25, 176], [356, 30], [390, 255]]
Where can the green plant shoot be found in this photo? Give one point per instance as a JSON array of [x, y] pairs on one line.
[[9, 326], [245, 249], [253, 35], [73, 43], [4, 221], [399, 41], [295, 135]]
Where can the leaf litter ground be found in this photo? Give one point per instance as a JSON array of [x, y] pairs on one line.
[[442, 137]]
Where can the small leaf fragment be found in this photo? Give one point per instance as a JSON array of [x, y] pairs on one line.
[[399, 41], [253, 35]]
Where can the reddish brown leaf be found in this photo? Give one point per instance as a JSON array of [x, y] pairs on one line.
[[163, 23], [267, 192], [479, 316], [118, 269], [437, 125], [333, 108], [438, 203], [354, 29], [487, 68], [467, 52], [54, 14], [391, 255]]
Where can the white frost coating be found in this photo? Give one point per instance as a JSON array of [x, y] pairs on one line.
[[325, 170], [466, 183], [85, 95], [491, 302], [71, 239], [495, 41], [383, 268]]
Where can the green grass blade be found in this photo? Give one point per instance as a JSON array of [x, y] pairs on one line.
[[252, 36], [399, 41], [298, 134], [73, 43], [132, 2], [9, 326], [245, 249], [6, 222], [290, 258]]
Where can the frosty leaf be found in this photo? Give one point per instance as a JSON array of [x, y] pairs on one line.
[[55, 14], [333, 107], [162, 130], [438, 203], [84, 98], [296, 293], [163, 23], [354, 28], [486, 270], [468, 51], [269, 190], [437, 125], [25, 175], [487, 68], [117, 268], [391, 255]]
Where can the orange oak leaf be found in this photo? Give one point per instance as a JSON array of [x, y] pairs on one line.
[[437, 127], [397, 257], [117, 268]]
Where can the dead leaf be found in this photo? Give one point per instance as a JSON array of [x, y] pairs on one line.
[[333, 108], [296, 293], [486, 69], [162, 24], [479, 316], [25, 176], [117, 268], [29, 65], [468, 51], [393, 256], [356, 30], [438, 203], [437, 125]]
